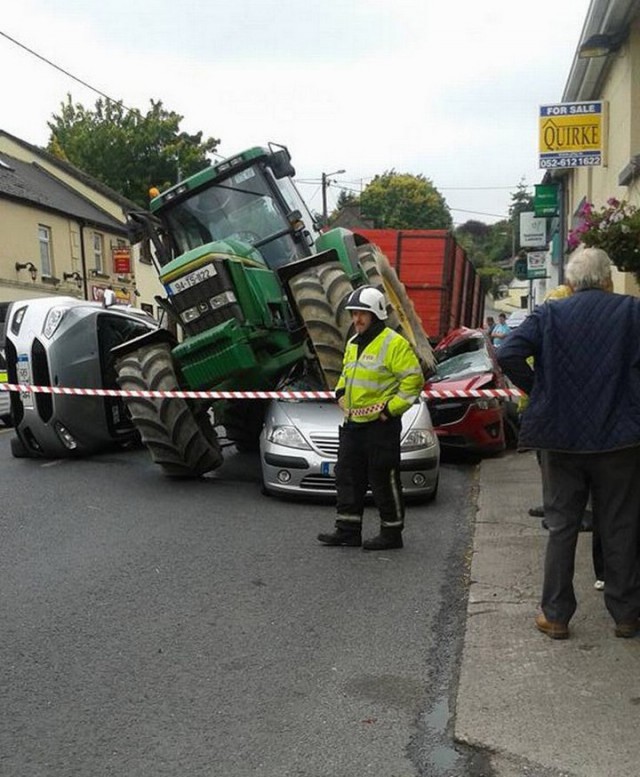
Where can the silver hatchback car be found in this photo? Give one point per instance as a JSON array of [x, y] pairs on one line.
[[299, 449], [63, 341]]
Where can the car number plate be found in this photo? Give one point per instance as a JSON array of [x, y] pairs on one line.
[[23, 371], [328, 468], [193, 278]]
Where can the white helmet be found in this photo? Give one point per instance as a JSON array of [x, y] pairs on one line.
[[370, 299]]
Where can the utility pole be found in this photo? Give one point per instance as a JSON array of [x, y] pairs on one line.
[[325, 185]]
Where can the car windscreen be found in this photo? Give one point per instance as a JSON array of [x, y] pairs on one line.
[[463, 364]]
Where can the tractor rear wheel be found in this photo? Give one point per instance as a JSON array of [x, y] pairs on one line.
[[402, 315], [179, 438], [367, 257], [320, 294]]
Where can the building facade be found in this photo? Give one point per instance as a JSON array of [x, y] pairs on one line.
[[63, 233], [606, 67]]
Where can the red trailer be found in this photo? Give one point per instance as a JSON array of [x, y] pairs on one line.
[[440, 280]]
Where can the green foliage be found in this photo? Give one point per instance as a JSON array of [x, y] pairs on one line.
[[128, 151], [521, 200], [346, 199], [489, 247], [404, 201]]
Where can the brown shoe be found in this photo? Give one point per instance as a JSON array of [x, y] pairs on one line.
[[552, 629], [627, 630]]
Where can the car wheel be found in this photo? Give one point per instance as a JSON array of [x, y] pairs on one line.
[[18, 449]]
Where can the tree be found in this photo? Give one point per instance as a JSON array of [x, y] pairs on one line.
[[346, 199], [521, 200], [128, 151], [404, 201]]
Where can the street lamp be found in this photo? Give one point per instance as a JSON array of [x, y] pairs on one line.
[[600, 45], [33, 270], [325, 186]]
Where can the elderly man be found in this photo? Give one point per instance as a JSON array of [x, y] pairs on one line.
[[584, 417]]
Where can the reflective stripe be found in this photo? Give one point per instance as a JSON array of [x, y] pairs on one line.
[[412, 371], [397, 500], [349, 518], [373, 384]]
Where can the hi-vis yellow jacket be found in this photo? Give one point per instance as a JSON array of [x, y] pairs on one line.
[[386, 374]]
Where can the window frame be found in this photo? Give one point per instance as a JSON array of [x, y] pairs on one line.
[[45, 244], [98, 252]]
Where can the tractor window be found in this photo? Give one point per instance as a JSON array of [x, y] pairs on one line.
[[241, 207], [295, 202]]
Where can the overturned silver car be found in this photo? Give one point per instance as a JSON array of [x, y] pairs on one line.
[[63, 341]]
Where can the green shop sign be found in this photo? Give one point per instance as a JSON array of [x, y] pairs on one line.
[[545, 200]]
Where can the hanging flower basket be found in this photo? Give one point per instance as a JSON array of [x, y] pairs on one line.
[[615, 228]]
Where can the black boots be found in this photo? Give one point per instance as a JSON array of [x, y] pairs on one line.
[[350, 538], [388, 539]]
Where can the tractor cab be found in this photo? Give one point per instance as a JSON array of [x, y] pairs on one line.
[[246, 206]]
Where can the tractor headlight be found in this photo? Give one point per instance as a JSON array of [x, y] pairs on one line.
[[190, 314], [288, 436]]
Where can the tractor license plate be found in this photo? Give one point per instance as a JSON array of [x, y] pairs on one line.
[[193, 278], [23, 370], [328, 468]]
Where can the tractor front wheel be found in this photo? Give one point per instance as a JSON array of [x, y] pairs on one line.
[[180, 438]]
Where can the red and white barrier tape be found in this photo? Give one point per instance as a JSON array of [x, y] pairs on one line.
[[91, 392]]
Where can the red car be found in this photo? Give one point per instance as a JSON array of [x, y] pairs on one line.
[[466, 360]]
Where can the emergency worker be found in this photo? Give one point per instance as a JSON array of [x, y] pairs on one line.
[[381, 378]]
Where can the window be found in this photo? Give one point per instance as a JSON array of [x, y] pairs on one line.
[[98, 252], [46, 259]]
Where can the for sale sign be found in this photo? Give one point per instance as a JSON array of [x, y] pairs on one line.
[[572, 134]]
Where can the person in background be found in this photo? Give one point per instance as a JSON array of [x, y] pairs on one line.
[[500, 330], [380, 380], [109, 297], [584, 417], [489, 324]]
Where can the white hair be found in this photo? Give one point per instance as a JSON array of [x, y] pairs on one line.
[[588, 268]]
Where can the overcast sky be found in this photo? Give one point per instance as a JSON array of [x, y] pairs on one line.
[[446, 88]]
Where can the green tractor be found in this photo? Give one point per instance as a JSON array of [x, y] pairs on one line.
[[257, 295]]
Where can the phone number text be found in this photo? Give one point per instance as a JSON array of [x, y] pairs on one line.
[[571, 161]]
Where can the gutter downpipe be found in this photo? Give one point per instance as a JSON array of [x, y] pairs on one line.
[[83, 259]]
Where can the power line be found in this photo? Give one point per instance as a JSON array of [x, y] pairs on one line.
[[66, 72], [480, 213]]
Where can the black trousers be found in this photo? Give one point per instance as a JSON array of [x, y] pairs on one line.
[[369, 455], [613, 479]]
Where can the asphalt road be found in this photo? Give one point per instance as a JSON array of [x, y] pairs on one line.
[[152, 627]]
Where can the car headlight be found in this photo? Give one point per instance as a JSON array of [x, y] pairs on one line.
[[489, 403], [418, 438], [288, 436], [52, 321]]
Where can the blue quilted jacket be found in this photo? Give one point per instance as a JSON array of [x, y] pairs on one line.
[[585, 384]]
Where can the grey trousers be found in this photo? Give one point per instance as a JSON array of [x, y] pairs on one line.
[[613, 479]]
